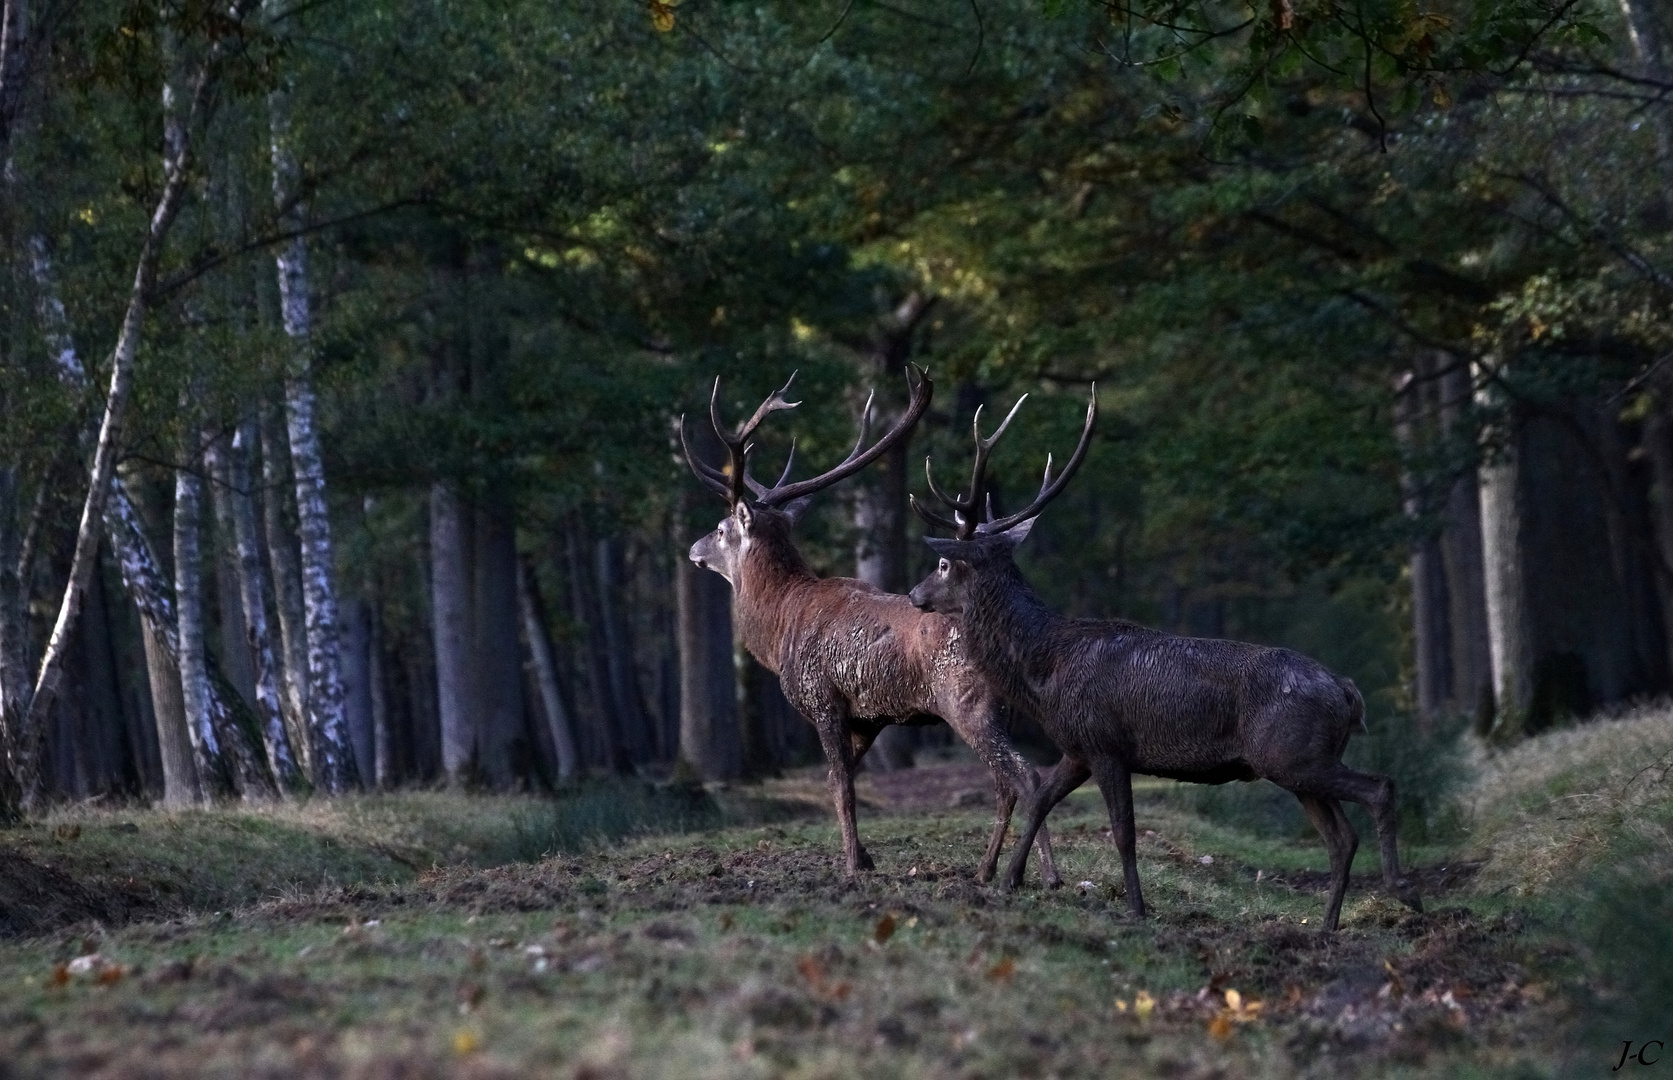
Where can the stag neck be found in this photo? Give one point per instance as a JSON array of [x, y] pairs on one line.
[[771, 571], [1011, 632]]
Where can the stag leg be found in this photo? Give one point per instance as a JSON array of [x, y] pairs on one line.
[[837, 740], [1115, 780], [1069, 774], [1340, 841], [1014, 777], [1376, 794]]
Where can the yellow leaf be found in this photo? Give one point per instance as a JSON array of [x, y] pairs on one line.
[[662, 16], [1234, 1001], [1220, 1027], [466, 1042], [1143, 1004]]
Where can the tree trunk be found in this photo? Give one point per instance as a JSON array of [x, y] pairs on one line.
[[188, 599], [450, 606], [110, 770], [334, 762], [608, 724], [181, 786], [498, 656], [357, 686], [1431, 635], [1507, 627], [538, 642], [629, 704], [1658, 448], [287, 591], [710, 742], [176, 138], [1645, 36], [14, 70], [234, 652], [382, 776], [880, 500], [231, 469], [1461, 553], [14, 648]]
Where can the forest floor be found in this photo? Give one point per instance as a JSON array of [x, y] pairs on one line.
[[422, 935]]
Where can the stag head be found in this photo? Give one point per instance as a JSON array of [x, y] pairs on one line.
[[757, 508], [977, 545]]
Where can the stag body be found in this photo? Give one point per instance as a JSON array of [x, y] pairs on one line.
[[851, 658], [1119, 698]]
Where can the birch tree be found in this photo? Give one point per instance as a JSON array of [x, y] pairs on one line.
[[231, 469], [180, 118], [334, 766]]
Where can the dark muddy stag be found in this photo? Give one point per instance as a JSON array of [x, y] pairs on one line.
[[1119, 698], [852, 659]]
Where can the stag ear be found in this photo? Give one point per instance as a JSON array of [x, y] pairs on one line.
[[745, 515], [1017, 533]]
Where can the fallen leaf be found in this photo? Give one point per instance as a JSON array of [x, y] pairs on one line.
[[1220, 1027], [885, 929], [1143, 1004], [60, 975], [466, 1042], [812, 970], [1002, 971], [726, 920]]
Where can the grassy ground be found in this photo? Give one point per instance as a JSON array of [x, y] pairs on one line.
[[424, 935]]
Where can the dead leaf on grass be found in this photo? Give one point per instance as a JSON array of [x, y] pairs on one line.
[[466, 1042], [1002, 971], [885, 929]]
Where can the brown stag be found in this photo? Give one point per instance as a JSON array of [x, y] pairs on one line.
[[1119, 698], [851, 658]]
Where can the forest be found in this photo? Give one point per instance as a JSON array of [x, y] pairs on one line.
[[345, 355]]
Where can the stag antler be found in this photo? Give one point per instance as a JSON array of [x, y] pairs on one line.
[[966, 509], [731, 483]]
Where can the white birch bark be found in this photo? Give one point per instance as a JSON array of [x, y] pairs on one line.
[[231, 469], [287, 591], [335, 767], [188, 595], [539, 645], [177, 143]]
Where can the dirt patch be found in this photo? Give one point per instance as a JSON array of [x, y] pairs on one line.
[[954, 786], [37, 897]]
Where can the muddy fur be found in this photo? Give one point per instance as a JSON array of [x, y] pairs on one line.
[[1119, 698], [853, 659]]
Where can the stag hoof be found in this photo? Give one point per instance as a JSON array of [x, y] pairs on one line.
[[1406, 894], [1054, 882], [864, 862], [984, 876]]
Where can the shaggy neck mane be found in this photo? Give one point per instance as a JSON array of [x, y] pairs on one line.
[[771, 570]]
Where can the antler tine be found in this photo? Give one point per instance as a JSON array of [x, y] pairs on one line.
[[1050, 488], [712, 478], [789, 460], [930, 516], [858, 459], [951, 503], [737, 443], [988, 443], [775, 401]]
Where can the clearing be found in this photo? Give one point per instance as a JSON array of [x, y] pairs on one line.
[[423, 934]]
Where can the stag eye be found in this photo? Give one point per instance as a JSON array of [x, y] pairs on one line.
[[944, 566]]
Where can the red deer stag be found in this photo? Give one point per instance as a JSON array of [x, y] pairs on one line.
[[852, 659], [1120, 698]]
